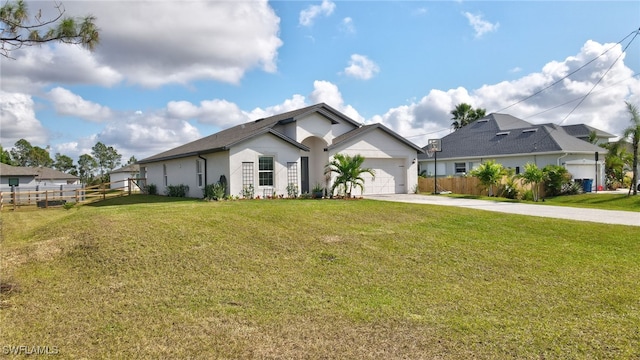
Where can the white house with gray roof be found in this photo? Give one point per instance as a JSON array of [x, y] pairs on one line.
[[513, 143], [289, 149]]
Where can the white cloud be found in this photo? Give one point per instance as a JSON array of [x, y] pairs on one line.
[[516, 69], [68, 103], [361, 67], [308, 15], [327, 92], [604, 109], [18, 121], [347, 26], [220, 113], [35, 67], [480, 26], [153, 43]]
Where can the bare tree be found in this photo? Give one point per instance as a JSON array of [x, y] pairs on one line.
[[19, 30]]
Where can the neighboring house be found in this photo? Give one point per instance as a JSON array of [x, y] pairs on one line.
[[30, 177], [286, 150], [119, 178], [513, 143]]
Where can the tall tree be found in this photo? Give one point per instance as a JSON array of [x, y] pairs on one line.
[[132, 160], [18, 30], [464, 114], [5, 156], [632, 133], [63, 163], [349, 170], [107, 158], [25, 154], [86, 168], [21, 152]]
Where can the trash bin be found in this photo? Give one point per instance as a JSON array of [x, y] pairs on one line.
[[587, 185]]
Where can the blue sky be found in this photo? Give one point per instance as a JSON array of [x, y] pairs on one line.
[[169, 72]]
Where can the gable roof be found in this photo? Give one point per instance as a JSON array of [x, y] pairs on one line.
[[127, 169], [368, 128], [43, 173], [502, 134], [227, 138]]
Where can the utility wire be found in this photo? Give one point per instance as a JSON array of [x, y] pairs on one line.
[[635, 33]]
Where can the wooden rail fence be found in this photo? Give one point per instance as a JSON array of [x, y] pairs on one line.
[[59, 197]]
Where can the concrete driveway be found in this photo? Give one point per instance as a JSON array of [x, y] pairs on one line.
[[558, 212]]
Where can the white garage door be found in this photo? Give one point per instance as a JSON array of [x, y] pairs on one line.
[[390, 176]]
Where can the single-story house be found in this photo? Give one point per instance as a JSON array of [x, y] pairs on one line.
[[513, 143], [284, 151], [30, 177], [119, 178]]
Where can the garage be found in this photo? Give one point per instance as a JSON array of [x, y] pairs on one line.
[[390, 176]]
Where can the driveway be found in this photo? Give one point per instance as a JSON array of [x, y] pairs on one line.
[[558, 212]]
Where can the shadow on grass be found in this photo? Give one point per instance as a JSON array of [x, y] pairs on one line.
[[138, 199]]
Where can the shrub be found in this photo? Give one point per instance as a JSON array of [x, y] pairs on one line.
[[556, 177], [150, 189], [177, 190], [214, 191], [247, 192], [572, 188], [527, 195], [292, 190]]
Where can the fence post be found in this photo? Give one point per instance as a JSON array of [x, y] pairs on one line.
[[46, 199], [13, 195], [1, 200], [104, 192]]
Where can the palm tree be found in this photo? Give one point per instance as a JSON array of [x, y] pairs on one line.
[[633, 134], [464, 114], [489, 173], [532, 175], [349, 170]]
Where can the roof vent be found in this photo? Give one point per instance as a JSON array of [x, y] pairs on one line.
[[503, 133], [529, 130], [482, 121]]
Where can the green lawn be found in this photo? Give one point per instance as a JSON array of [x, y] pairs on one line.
[[152, 277], [606, 201]]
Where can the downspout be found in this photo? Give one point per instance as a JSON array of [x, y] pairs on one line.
[[205, 170], [558, 160]]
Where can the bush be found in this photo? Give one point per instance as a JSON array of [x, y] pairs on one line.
[[177, 190], [150, 189], [527, 195], [556, 178], [292, 191], [248, 192], [572, 188], [214, 191]]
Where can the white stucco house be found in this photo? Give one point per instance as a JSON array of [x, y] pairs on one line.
[[513, 143], [292, 148], [119, 178], [32, 177]]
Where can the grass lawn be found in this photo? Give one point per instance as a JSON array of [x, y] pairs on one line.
[[607, 201], [153, 277]]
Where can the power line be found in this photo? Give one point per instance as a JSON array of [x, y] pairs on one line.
[[635, 33]]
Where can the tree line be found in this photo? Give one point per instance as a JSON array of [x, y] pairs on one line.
[[91, 168]]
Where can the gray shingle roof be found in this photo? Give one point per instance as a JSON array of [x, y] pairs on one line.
[[582, 131], [127, 169], [43, 173], [227, 138], [501, 134]]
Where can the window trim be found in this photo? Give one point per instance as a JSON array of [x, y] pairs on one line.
[[267, 171], [456, 167]]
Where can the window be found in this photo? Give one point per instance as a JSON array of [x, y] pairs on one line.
[[164, 174], [461, 168], [265, 171], [200, 173], [517, 170]]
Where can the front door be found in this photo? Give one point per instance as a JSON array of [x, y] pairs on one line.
[[304, 174]]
